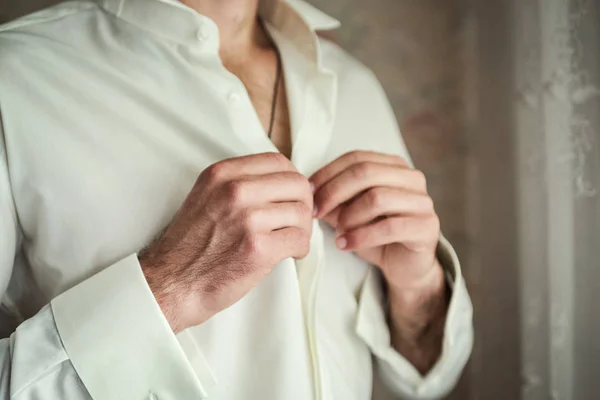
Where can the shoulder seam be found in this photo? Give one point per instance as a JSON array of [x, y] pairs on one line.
[[24, 21]]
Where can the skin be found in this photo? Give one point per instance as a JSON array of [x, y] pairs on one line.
[[245, 215], [247, 51], [380, 209]]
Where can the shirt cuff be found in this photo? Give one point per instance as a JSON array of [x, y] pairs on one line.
[[396, 372], [119, 341]]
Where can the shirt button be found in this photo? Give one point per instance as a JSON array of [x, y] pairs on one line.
[[202, 34], [234, 97]]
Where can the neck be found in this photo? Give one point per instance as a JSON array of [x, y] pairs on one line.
[[239, 28]]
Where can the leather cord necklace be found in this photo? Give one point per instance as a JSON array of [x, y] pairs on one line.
[[275, 93]]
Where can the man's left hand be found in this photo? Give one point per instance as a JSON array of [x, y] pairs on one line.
[[380, 209]]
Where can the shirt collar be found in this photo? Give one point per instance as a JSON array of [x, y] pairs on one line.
[[173, 20], [315, 19]]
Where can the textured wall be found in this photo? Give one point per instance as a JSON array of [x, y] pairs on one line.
[[537, 157], [10, 9]]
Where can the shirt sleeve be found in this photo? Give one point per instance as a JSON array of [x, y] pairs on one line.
[[398, 377], [105, 338]]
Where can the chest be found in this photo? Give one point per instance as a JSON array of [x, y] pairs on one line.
[[264, 80], [115, 152]]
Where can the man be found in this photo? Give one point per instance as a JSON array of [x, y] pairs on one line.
[[205, 200]]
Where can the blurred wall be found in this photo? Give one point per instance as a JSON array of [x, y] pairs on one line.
[[10, 9], [535, 107]]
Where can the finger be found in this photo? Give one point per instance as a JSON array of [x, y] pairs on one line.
[[278, 216], [332, 218], [360, 177], [255, 164], [355, 157], [290, 242], [382, 202], [414, 232], [271, 188]]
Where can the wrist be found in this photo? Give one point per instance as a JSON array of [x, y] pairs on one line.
[[417, 319], [416, 310], [167, 292]]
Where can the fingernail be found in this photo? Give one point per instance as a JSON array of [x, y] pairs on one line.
[[312, 187], [341, 242], [315, 211]]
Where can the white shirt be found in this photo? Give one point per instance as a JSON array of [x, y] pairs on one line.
[[110, 110]]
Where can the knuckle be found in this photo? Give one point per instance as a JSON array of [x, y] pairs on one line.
[[323, 196], [355, 155], [361, 170], [304, 251], [251, 246], [215, 172], [390, 226], [343, 220], [435, 223], [375, 198], [349, 158], [298, 178], [427, 203], [279, 160], [304, 212], [234, 192], [302, 182], [251, 221], [402, 161], [344, 215], [420, 178], [304, 243]]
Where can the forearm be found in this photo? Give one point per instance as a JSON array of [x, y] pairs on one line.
[[417, 319]]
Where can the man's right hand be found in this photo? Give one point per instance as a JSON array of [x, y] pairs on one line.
[[242, 217]]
